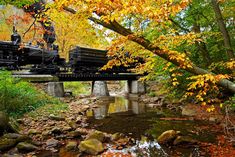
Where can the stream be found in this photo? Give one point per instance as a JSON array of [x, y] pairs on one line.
[[135, 119]]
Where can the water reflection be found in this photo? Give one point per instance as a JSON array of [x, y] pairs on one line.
[[118, 105]]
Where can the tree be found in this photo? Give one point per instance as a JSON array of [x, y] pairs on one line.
[[112, 15], [224, 31]]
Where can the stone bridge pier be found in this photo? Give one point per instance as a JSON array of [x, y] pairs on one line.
[[99, 88], [55, 89], [135, 87]]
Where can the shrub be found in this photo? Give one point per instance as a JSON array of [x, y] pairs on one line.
[[18, 97]]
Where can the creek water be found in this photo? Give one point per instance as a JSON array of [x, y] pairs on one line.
[[135, 119]]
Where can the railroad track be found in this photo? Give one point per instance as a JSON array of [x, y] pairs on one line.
[[75, 77]]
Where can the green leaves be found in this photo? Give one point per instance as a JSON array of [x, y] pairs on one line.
[[17, 3], [18, 97]]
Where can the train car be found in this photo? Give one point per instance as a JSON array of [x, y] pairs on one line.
[[87, 60]]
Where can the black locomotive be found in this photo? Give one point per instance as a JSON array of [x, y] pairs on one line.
[[13, 56]]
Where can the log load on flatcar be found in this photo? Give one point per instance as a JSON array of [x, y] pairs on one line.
[[87, 60]]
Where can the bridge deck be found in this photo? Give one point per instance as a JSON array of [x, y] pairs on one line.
[[96, 77], [75, 77]]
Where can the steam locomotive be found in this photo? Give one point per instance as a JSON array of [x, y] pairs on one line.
[[13, 56]]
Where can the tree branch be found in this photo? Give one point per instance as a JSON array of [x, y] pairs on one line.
[[30, 27]]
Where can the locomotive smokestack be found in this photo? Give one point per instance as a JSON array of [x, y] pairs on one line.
[[15, 37]]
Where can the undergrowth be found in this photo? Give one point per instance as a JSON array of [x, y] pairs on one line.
[[18, 97], [77, 87]]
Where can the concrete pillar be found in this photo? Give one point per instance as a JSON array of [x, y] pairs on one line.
[[127, 87], [100, 88], [135, 87], [56, 89]]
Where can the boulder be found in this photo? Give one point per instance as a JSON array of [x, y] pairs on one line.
[[52, 143], [167, 136], [98, 135], [26, 147], [24, 138], [184, 140], [6, 144], [10, 140], [12, 136], [91, 146], [17, 137], [71, 145]]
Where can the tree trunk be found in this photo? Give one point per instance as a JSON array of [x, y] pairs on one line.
[[222, 27], [202, 47]]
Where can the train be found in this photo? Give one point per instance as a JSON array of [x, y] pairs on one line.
[[14, 56]]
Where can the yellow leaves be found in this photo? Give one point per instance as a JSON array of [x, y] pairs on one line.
[[180, 58], [221, 105], [175, 83], [203, 87], [230, 64], [172, 41], [74, 29], [112, 9], [211, 108], [203, 104]]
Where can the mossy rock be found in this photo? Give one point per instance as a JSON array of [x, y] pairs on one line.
[[26, 147], [71, 145], [97, 135], [91, 146], [6, 144], [167, 136]]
